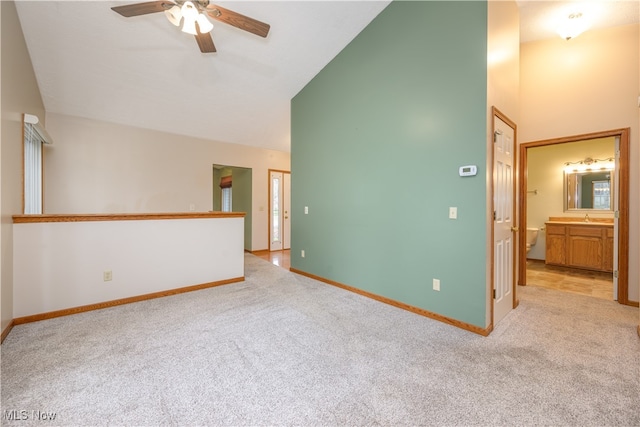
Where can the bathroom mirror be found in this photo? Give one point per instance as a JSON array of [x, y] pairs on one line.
[[588, 190]]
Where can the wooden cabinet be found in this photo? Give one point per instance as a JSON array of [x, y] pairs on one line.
[[608, 250], [581, 245], [555, 245]]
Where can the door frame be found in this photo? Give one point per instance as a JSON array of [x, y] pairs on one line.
[[623, 204], [495, 113], [269, 203]]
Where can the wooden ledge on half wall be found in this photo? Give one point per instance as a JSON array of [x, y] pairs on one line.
[[21, 219]]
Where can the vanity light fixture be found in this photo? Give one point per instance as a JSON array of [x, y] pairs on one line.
[[571, 27], [590, 164]]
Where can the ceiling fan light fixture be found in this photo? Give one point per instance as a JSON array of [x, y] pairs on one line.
[[204, 24], [174, 15], [189, 27], [190, 14], [189, 11]]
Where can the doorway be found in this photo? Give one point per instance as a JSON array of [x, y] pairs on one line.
[[232, 192], [620, 213], [279, 210]]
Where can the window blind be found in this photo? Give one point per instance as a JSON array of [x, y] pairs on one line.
[[32, 170]]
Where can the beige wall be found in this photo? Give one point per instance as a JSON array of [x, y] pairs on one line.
[[503, 85], [144, 257], [100, 167], [20, 95], [503, 59], [587, 84]]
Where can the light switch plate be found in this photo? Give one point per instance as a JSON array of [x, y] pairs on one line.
[[453, 213]]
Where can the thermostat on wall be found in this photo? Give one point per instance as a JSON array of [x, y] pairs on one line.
[[470, 170]]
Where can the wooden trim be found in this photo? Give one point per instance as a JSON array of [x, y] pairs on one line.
[[19, 219], [522, 205], [444, 319], [113, 303], [623, 202], [260, 252], [632, 303], [6, 331], [576, 138], [226, 181], [638, 331]]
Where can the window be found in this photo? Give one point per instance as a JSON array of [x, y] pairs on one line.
[[32, 170], [601, 194], [225, 187], [226, 199]]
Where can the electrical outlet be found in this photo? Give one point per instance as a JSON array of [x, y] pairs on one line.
[[302, 253], [436, 284], [192, 207], [107, 276], [453, 213]]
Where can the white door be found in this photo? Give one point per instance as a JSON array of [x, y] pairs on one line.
[[616, 218], [280, 208], [503, 224], [286, 201]]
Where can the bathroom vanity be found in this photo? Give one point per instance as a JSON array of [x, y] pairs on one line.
[[580, 244]]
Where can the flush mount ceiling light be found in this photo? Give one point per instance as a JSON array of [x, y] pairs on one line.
[[571, 27]]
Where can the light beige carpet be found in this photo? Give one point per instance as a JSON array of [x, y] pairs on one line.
[[282, 349]]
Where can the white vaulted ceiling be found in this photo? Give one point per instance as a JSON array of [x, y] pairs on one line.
[[142, 71]]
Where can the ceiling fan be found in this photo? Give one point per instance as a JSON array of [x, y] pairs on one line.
[[193, 15]]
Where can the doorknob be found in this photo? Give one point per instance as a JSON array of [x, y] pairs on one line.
[[515, 229]]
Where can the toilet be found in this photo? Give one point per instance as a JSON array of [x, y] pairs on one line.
[[532, 237]]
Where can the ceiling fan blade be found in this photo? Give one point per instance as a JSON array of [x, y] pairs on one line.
[[142, 8], [237, 20], [205, 42]]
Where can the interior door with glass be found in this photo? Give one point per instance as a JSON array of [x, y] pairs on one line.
[[279, 210]]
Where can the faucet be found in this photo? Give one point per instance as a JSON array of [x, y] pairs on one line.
[[586, 218]]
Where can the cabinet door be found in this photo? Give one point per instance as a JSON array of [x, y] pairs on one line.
[[555, 245], [585, 247], [608, 249]]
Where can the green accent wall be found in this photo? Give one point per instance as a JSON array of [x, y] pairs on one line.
[[377, 139]]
